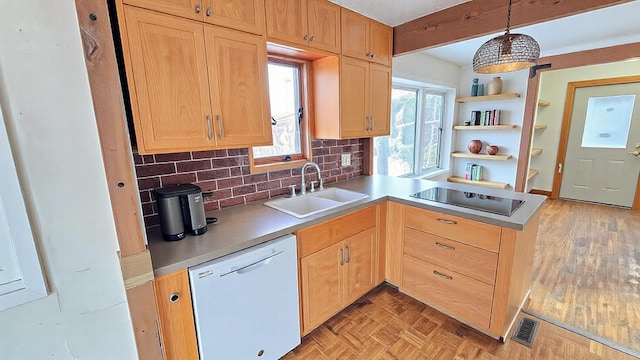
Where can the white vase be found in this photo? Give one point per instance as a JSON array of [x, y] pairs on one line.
[[494, 87]]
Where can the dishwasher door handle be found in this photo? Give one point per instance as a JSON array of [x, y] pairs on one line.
[[253, 266]]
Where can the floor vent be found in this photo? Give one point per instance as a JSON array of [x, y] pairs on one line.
[[526, 331]]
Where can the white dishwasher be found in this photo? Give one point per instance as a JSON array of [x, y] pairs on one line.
[[246, 303]]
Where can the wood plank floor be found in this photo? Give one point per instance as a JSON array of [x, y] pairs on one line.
[[587, 269], [386, 324]]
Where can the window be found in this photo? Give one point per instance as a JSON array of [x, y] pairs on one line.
[[21, 278], [287, 93], [413, 148]]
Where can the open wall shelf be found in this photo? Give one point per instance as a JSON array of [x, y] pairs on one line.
[[488, 97], [532, 173], [484, 127], [481, 156], [539, 127], [485, 183], [543, 102], [536, 151]]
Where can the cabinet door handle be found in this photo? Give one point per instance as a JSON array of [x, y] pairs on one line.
[[208, 11], [368, 127], [372, 55], [209, 128], [312, 38], [443, 246], [348, 253], [341, 256], [444, 276], [219, 119], [368, 54], [174, 297], [373, 123], [306, 37], [198, 8], [448, 222]]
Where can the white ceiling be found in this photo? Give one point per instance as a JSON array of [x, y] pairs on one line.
[[396, 12], [610, 26]]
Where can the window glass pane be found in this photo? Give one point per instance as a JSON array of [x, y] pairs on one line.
[[394, 154], [607, 122], [433, 112], [284, 93]]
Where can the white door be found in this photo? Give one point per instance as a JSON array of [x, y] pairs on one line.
[[599, 165]]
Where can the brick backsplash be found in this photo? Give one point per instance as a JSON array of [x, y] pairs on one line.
[[226, 174]]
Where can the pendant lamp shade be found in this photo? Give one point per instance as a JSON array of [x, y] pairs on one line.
[[508, 52]]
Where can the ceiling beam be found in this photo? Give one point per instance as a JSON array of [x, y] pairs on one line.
[[482, 17]]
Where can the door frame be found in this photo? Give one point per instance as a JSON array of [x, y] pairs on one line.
[[566, 125], [564, 61]]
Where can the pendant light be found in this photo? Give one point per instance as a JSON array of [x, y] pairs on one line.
[[508, 52]]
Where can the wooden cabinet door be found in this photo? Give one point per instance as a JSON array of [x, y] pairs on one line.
[[354, 88], [237, 65], [175, 314], [355, 35], [287, 20], [321, 276], [324, 25], [244, 15], [191, 9], [380, 43], [168, 82], [379, 100], [360, 255]]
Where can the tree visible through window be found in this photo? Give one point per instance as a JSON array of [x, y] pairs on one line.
[[413, 147]]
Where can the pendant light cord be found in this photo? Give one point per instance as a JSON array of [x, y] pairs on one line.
[[508, 18]]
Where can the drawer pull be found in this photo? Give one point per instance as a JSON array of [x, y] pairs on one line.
[[441, 245], [442, 275], [448, 222], [341, 256]]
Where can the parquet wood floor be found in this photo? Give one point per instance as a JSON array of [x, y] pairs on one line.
[[386, 324], [587, 269]]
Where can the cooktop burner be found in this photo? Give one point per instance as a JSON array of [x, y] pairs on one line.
[[476, 201]]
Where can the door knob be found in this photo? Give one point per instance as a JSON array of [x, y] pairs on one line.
[[634, 153]]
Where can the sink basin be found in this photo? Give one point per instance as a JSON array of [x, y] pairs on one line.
[[313, 203]]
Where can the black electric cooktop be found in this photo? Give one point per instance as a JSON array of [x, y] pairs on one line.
[[470, 200]]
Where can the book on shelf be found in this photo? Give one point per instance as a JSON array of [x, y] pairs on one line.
[[485, 117], [473, 172]]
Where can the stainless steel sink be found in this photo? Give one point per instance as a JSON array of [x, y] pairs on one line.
[[312, 203]]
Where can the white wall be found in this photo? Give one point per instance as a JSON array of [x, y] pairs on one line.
[[507, 140], [553, 88], [425, 69], [48, 112]]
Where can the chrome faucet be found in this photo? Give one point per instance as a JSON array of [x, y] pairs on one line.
[[303, 185]]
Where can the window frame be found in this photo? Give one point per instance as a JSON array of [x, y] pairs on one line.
[[418, 156], [272, 163]]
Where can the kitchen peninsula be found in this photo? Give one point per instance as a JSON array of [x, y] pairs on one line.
[[470, 264]]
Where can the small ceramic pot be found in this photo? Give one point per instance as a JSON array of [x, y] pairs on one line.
[[474, 146], [492, 149], [494, 87]]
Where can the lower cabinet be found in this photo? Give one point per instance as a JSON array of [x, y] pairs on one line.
[[337, 264], [475, 272], [175, 314]]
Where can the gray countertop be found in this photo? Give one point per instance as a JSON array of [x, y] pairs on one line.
[[244, 226]]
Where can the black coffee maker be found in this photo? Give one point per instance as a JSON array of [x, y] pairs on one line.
[[180, 207]]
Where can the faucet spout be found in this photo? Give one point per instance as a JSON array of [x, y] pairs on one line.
[[303, 184]]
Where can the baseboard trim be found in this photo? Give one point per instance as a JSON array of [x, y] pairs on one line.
[[581, 332], [540, 192]]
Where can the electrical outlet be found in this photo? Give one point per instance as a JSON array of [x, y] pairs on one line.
[[346, 159]]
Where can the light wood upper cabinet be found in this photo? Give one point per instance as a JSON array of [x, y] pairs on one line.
[[366, 39], [244, 15], [362, 105], [312, 23], [169, 87], [191, 9], [238, 80], [175, 314], [194, 86]]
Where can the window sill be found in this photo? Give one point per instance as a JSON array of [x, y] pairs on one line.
[[429, 175], [256, 169]]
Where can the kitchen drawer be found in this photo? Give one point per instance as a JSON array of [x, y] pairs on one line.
[[464, 259], [460, 296], [325, 234], [470, 232]]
